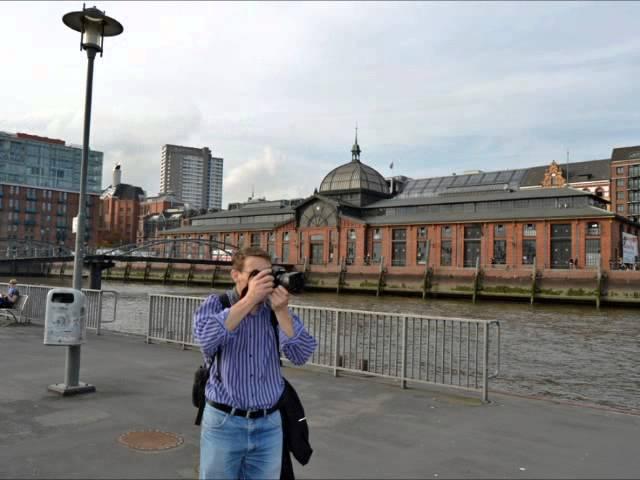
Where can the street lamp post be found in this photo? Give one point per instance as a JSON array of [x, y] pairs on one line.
[[93, 26]]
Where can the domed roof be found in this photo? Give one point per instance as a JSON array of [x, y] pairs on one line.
[[354, 176]]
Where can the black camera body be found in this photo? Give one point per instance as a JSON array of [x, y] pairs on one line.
[[292, 281]]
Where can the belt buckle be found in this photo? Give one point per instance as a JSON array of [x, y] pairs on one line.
[[248, 414]]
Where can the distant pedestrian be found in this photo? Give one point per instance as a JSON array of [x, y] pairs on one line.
[[8, 300]]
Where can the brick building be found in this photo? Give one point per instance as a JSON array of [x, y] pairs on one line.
[[119, 211], [39, 185], [458, 221]]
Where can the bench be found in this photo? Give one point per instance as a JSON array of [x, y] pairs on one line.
[[16, 311]]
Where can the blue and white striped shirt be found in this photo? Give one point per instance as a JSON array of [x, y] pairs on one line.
[[250, 377]]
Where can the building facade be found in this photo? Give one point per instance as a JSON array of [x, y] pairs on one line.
[[159, 213], [34, 161], [625, 181], [39, 190], [461, 221], [192, 175], [29, 214], [119, 212]]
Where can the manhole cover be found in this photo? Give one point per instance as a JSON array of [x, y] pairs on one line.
[[150, 440]]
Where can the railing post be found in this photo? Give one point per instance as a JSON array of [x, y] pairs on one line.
[[403, 381], [183, 310], [336, 342], [485, 363], [99, 312], [149, 317]]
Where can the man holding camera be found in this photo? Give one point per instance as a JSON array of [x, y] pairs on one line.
[[241, 433]]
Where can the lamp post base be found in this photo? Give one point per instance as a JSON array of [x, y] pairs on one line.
[[68, 390]]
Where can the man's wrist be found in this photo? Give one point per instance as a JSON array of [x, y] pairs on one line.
[[281, 309]]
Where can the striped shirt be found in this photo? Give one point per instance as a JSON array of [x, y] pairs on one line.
[[250, 377]]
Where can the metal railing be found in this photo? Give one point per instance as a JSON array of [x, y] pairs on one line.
[[35, 308], [171, 319], [453, 352]]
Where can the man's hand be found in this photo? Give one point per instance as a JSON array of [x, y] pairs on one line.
[[260, 286], [279, 299], [280, 306]]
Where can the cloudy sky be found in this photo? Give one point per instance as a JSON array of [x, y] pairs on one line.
[[277, 88]]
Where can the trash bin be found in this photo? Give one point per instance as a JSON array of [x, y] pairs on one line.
[[65, 317]]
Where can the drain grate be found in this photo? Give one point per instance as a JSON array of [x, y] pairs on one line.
[[150, 440]]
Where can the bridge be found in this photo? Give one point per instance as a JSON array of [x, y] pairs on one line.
[[15, 253]]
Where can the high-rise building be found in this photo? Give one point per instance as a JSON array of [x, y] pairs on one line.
[[39, 190], [35, 161], [192, 175], [625, 181]]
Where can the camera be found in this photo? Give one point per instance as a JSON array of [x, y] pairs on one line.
[[292, 281]]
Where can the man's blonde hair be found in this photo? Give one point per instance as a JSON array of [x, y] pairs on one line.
[[237, 262], [13, 281]]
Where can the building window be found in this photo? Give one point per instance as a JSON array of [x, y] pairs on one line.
[[620, 195], [241, 240], [271, 245], [620, 183], [398, 247], [376, 246], [529, 230], [472, 240], [445, 253], [592, 251], [317, 249], [332, 245], [499, 252], [499, 231], [421, 250], [561, 246], [620, 171], [301, 254], [255, 240], [634, 170], [528, 252], [351, 247], [593, 229], [285, 247], [445, 231], [620, 208]]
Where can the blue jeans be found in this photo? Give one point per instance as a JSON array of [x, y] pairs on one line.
[[233, 447]]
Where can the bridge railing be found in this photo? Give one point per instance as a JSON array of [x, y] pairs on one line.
[[36, 306], [459, 353]]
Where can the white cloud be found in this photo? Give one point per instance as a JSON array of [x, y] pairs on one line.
[[276, 88]]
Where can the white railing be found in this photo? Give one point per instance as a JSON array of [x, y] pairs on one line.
[[35, 308], [454, 352]]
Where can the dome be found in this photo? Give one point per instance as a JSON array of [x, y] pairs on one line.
[[354, 176]]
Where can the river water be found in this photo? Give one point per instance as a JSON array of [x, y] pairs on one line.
[[572, 352]]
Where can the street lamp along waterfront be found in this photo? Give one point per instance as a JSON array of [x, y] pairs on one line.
[[93, 26]]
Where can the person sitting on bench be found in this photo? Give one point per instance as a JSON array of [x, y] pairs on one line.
[[8, 300]]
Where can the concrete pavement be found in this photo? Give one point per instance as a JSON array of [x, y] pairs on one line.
[[360, 428]]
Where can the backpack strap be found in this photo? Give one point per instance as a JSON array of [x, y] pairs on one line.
[[274, 324]]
